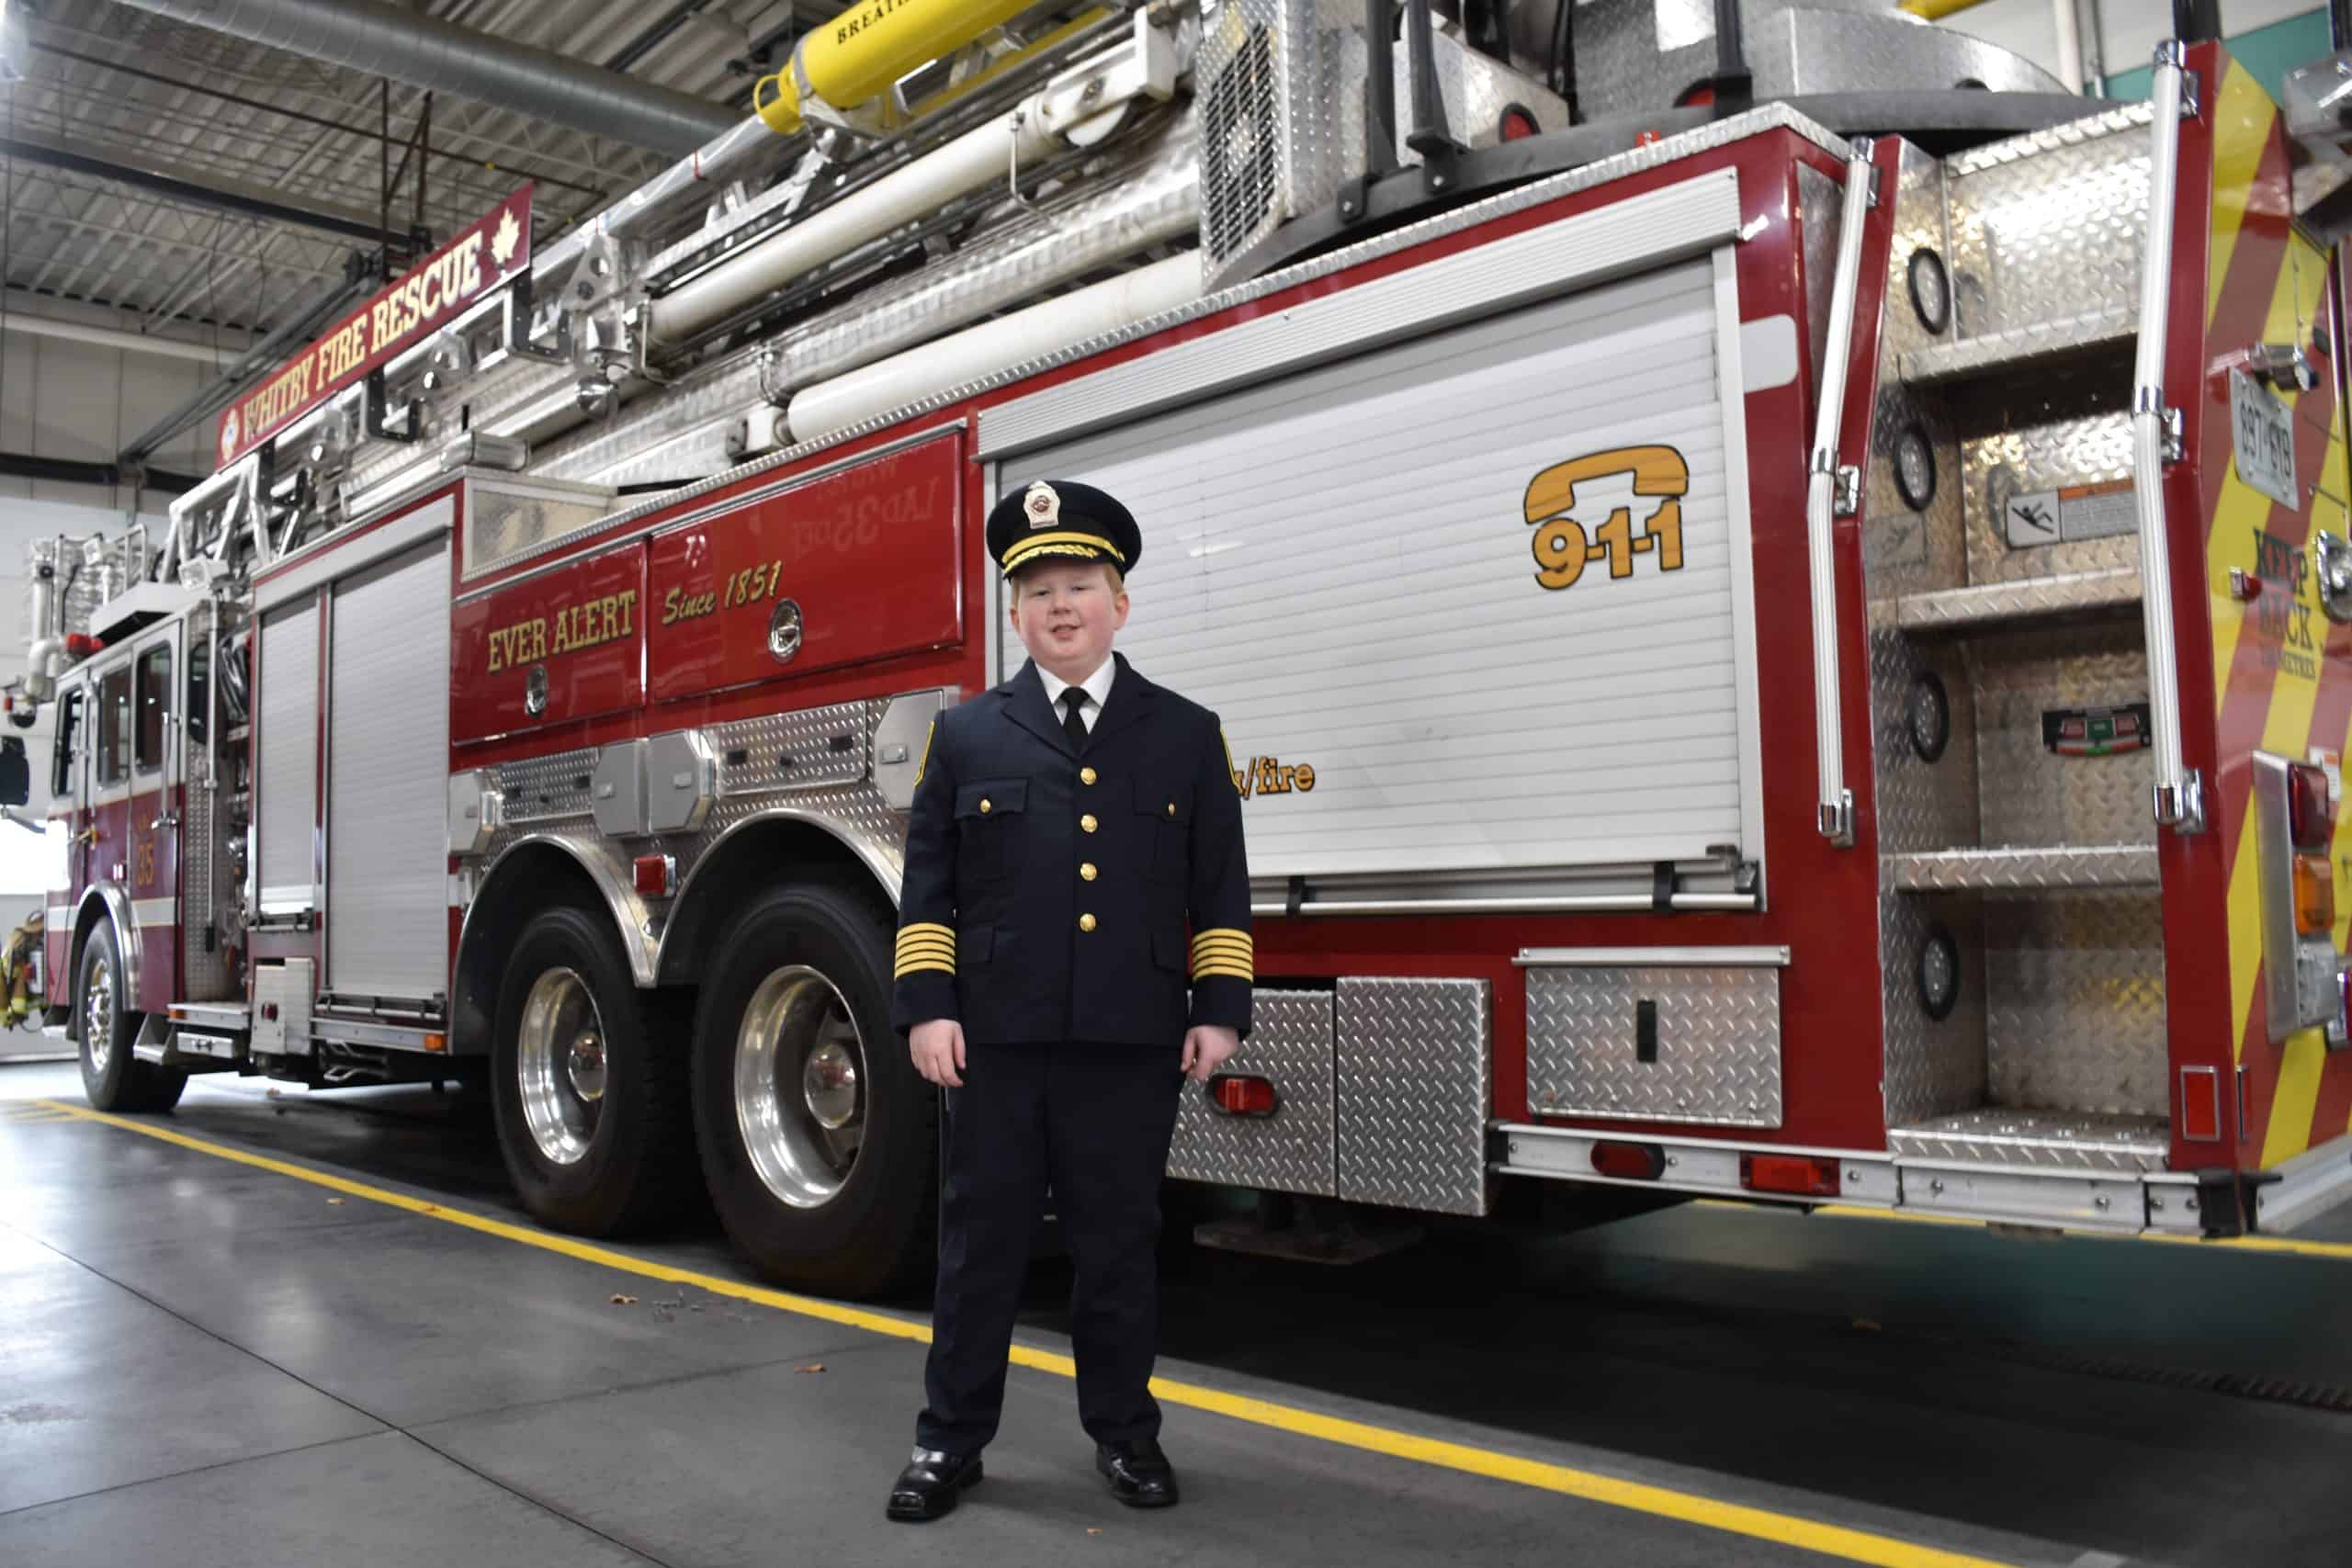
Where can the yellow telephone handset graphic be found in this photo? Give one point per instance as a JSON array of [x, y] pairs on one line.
[[1560, 544]]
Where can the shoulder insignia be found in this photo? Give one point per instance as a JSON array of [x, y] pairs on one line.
[[1230, 770], [932, 733]]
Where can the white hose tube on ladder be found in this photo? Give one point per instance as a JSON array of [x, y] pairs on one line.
[[2179, 793], [1837, 801], [993, 347]]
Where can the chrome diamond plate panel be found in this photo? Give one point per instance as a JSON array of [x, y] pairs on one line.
[[2050, 226], [1414, 1093], [204, 940], [1294, 1150], [808, 749], [1932, 1066], [545, 789], [2074, 996], [1985, 871], [2029, 598], [2022, 349], [2028, 795], [1718, 1043], [2054, 447], [2037, 1140], [2055, 138]]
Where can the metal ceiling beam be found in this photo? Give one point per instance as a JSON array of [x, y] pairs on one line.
[[109, 337], [193, 187], [382, 40]]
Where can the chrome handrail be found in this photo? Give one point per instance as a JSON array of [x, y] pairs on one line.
[[1836, 814], [2179, 793]]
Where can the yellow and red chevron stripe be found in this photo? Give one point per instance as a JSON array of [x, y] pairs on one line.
[[2267, 284]]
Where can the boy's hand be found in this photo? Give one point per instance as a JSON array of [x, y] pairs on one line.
[[938, 1048], [1206, 1048]]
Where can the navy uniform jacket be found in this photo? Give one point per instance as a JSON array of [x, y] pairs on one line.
[[1048, 893]]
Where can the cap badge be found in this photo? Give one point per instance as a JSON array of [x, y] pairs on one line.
[[1045, 508]]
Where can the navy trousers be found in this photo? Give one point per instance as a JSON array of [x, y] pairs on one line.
[[1091, 1122]]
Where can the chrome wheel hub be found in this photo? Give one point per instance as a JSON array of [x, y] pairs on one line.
[[559, 1066], [800, 1086], [98, 1014]]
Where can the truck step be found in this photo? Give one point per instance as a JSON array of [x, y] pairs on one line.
[[2060, 597], [2040, 1140], [2039, 348], [2037, 869]]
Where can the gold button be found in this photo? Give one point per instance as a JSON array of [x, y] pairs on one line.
[[1086, 775], [1086, 922], [1086, 823], [1087, 871], [986, 808], [1171, 808]]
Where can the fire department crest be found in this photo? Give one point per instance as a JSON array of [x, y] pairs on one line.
[[228, 434], [1044, 507]]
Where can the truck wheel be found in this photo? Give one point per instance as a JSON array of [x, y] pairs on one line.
[[819, 1139], [112, 1078], [589, 1082]]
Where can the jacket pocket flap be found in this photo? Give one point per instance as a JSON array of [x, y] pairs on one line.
[[1170, 803], [988, 797]]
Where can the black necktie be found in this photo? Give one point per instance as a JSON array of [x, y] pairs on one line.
[[1073, 726]]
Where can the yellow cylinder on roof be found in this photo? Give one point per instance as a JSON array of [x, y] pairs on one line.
[[857, 56]]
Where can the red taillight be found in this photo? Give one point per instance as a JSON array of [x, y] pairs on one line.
[[80, 645], [1629, 1162], [1238, 1094], [1698, 96], [653, 874], [1799, 1174], [1518, 123], [2311, 813]]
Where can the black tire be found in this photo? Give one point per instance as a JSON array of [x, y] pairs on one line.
[[111, 1075], [872, 1234], [618, 1159]]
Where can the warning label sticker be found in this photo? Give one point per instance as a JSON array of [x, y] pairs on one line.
[[2063, 516]]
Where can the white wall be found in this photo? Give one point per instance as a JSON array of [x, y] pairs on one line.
[[75, 401], [2129, 30]]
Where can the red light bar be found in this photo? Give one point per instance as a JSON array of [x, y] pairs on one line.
[[80, 645], [653, 874], [1800, 1174], [1238, 1094], [1629, 1162], [2311, 813]]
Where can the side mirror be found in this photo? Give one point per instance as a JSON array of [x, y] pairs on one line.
[[16, 772]]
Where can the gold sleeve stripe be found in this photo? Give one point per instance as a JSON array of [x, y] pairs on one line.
[[928, 950], [1237, 943], [1234, 932], [929, 928], [1223, 972], [929, 735], [911, 965]]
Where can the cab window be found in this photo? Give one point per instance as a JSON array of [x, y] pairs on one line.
[[114, 726], [61, 760], [154, 702]]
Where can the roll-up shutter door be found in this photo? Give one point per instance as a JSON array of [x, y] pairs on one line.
[[1341, 563], [388, 723], [289, 758]]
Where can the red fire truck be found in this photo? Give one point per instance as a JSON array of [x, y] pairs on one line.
[[1762, 663]]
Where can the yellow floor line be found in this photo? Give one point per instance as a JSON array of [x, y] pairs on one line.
[[1733, 1518]]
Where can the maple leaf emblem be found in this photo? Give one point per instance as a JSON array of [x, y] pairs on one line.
[[503, 243]]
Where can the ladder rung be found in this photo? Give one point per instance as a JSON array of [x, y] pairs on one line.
[[2037, 346], [2024, 870], [2029, 598]]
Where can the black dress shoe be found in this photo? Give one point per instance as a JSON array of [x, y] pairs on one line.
[[928, 1486], [1139, 1474]]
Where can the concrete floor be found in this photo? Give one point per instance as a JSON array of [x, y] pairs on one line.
[[204, 1362]]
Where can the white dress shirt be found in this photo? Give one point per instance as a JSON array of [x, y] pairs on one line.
[[1097, 687]]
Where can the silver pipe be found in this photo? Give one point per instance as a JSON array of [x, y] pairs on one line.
[[1570, 904], [1837, 801], [2179, 793], [715, 160], [378, 40]]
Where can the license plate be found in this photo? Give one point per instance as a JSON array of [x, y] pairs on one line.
[[2262, 430]]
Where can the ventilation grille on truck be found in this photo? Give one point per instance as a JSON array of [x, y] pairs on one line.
[[1240, 130]]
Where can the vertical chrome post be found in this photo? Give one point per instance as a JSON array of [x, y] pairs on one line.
[[2179, 795], [1836, 814]]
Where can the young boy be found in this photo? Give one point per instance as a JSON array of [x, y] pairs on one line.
[[1067, 828]]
